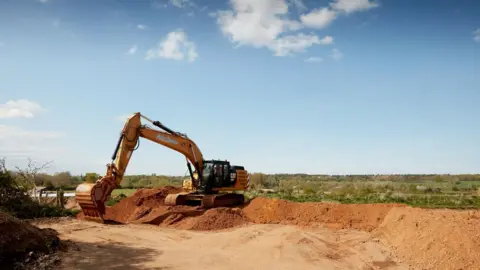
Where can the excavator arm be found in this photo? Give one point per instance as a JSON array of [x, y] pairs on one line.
[[92, 196]]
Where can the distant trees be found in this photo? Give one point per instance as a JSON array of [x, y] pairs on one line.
[[91, 177], [34, 175]]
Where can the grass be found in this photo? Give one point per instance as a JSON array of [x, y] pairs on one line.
[[416, 200], [426, 194], [124, 191]]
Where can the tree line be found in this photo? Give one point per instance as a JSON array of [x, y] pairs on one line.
[[33, 175], [67, 181]]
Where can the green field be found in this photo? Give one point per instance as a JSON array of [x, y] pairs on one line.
[[124, 191], [428, 194], [427, 190]]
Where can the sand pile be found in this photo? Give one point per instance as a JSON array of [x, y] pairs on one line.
[[139, 204], [214, 219], [147, 206], [19, 240], [434, 239], [337, 216]]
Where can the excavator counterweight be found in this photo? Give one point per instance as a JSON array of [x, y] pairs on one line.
[[211, 184]]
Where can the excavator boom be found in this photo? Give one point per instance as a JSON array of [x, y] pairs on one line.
[[92, 196]]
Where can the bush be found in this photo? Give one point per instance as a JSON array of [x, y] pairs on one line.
[[15, 201], [112, 201]]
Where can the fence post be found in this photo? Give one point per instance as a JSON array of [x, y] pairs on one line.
[[61, 198]]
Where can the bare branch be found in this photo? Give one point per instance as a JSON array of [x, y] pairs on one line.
[[28, 175], [3, 166]]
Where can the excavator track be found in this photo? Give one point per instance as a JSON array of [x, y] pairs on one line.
[[205, 201], [222, 200], [176, 199]]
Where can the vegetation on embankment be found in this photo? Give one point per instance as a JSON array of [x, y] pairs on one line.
[[14, 199]]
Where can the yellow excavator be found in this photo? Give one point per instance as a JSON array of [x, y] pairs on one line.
[[212, 183]]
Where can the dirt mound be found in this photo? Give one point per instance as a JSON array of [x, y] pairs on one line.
[[139, 204], [194, 218], [433, 239], [213, 219], [20, 240], [147, 206], [338, 216]]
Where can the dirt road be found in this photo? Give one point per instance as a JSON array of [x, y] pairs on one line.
[[257, 246]]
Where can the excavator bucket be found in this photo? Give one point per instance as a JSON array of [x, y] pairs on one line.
[[205, 201], [85, 196]]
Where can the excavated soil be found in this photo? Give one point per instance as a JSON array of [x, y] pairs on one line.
[[434, 239], [424, 238], [147, 206], [21, 241], [332, 215], [139, 204]]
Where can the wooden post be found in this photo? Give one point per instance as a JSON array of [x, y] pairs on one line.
[[61, 199]]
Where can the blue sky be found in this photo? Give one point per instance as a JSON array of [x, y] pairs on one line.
[[334, 87]]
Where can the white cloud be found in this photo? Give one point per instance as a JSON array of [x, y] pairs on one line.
[[337, 54], [16, 142], [132, 50], [318, 18], [141, 26], [181, 3], [350, 6], [298, 4], [326, 40], [256, 23], [476, 35], [20, 108], [314, 59], [158, 4], [175, 46], [11, 132], [287, 45], [265, 24], [43, 1]]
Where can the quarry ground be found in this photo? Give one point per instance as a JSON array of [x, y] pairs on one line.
[[257, 246], [269, 234]]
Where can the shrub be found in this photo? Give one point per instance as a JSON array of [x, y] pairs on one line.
[[15, 200], [115, 199]]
